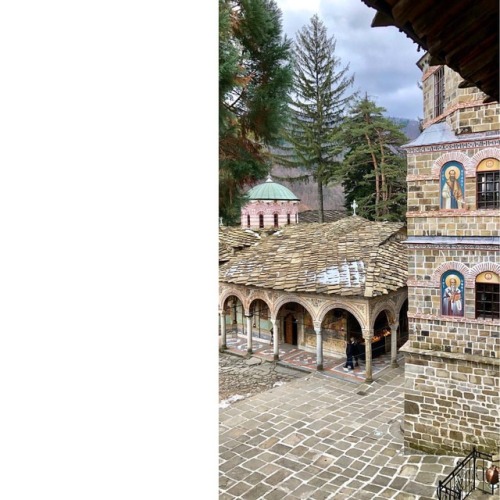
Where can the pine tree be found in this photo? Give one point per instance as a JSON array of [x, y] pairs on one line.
[[254, 81], [317, 106], [374, 169]]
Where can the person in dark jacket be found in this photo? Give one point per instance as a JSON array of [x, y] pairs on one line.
[[350, 352]]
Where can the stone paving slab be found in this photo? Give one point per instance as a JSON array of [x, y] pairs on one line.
[[292, 356], [316, 437]]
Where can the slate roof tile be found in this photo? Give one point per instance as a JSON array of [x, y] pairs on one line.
[[352, 256]]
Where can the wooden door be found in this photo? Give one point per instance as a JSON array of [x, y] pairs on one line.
[[290, 330]]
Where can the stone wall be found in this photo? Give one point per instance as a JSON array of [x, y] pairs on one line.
[[466, 224], [463, 108], [452, 363], [268, 208], [451, 403]]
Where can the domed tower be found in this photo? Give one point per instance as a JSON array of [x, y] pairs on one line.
[[270, 205]]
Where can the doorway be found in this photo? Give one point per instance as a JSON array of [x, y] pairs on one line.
[[291, 335]]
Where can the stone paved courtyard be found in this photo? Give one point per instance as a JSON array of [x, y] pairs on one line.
[[297, 435], [240, 377]]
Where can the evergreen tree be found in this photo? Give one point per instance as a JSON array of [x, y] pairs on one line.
[[374, 169], [317, 106], [254, 81]]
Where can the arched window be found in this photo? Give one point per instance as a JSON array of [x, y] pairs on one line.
[[275, 220], [487, 295], [487, 174], [439, 92], [248, 220], [452, 185], [452, 294], [261, 221]]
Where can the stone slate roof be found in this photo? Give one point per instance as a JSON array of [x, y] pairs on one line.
[[350, 257], [233, 239], [435, 134], [328, 215]]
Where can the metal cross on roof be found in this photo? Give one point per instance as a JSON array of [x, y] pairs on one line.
[[354, 205]]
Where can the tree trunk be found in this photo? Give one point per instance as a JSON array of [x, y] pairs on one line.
[[377, 179], [320, 202], [385, 194]]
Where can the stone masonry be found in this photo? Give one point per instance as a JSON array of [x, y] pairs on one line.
[[452, 365]]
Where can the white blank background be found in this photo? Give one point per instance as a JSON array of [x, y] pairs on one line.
[[108, 276]]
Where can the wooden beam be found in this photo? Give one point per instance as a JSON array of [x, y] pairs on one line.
[[464, 84], [381, 20]]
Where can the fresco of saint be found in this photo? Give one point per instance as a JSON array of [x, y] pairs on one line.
[[452, 304], [452, 187]]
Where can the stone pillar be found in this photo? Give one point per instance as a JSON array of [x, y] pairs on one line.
[[394, 344], [368, 335], [319, 347], [276, 340], [249, 333], [223, 330]]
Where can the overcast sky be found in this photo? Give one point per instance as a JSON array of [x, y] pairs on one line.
[[383, 60]]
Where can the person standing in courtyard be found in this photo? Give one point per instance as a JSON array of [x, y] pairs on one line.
[[357, 352], [350, 352]]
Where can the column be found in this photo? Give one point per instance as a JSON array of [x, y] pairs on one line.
[[368, 336], [223, 330], [276, 337], [249, 333], [319, 347], [394, 344]]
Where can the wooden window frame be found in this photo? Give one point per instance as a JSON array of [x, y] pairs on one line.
[[439, 92], [487, 300], [487, 179]]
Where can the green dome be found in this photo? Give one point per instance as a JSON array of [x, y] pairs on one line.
[[271, 190]]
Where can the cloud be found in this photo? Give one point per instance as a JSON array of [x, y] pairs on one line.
[[382, 59]]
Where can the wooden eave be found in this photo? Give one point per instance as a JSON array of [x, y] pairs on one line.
[[462, 34]]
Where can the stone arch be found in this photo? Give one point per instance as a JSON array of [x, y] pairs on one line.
[[281, 301], [381, 307], [328, 306], [447, 266], [257, 295], [400, 300], [485, 153], [226, 293], [260, 319], [481, 268], [462, 158]]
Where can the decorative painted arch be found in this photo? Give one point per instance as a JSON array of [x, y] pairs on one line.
[[462, 158], [447, 266], [226, 294], [291, 298], [481, 268], [483, 154], [400, 302], [388, 308], [328, 306], [257, 296]]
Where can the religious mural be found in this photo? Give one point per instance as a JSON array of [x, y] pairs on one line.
[[452, 185], [452, 287]]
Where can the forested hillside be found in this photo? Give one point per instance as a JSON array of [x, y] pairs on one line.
[[333, 195]]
